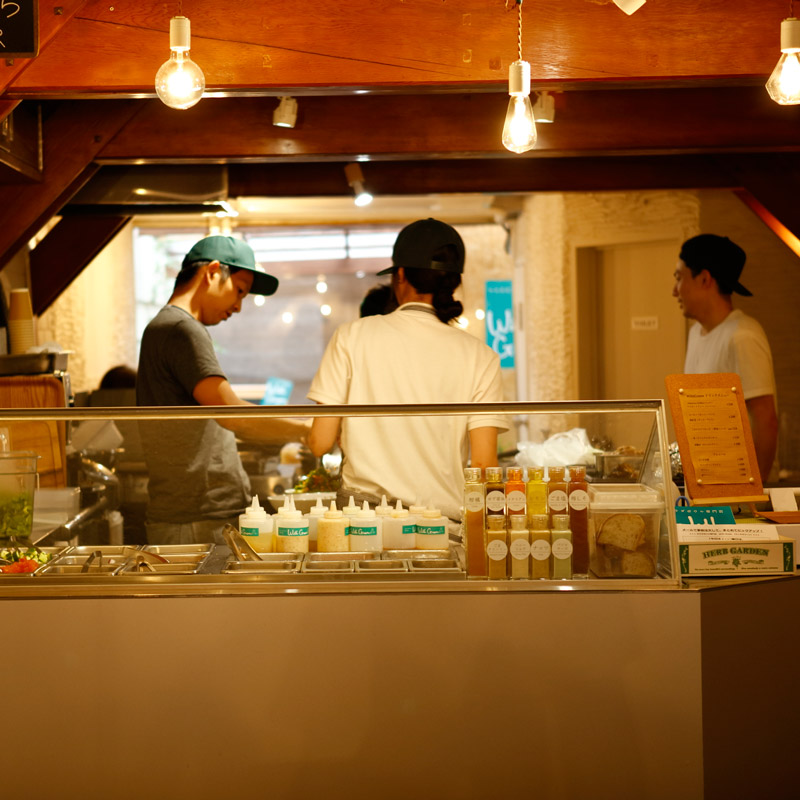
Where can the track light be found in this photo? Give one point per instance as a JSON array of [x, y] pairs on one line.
[[784, 83], [285, 115], [629, 6], [544, 109], [355, 178], [180, 82], [519, 130]]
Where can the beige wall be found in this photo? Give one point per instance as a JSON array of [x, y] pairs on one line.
[[94, 317]]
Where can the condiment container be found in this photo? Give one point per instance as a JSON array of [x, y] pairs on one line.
[[541, 556], [535, 493], [332, 531], [578, 509], [561, 537], [315, 513], [496, 547], [383, 509], [495, 492], [474, 523], [291, 528], [256, 525], [399, 529], [556, 492], [366, 530], [519, 548], [515, 493], [432, 530]]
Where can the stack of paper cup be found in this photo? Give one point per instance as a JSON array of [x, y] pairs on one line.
[[20, 321]]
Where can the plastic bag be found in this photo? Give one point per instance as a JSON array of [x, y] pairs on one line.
[[560, 450]]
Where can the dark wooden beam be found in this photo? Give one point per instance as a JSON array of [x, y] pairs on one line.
[[116, 48], [670, 121], [62, 255], [73, 134]]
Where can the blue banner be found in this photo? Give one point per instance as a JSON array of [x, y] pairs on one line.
[[500, 321]]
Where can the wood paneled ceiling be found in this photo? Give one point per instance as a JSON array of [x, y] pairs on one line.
[[671, 96]]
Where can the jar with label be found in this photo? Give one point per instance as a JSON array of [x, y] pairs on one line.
[[540, 546], [474, 522], [332, 531], [535, 493], [561, 537], [256, 525], [291, 528], [515, 493], [432, 530], [496, 547], [556, 492], [495, 493], [519, 548], [366, 531], [399, 529], [314, 515], [578, 501]]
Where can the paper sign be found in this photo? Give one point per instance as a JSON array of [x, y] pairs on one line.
[[500, 321], [716, 436], [704, 515], [727, 533]]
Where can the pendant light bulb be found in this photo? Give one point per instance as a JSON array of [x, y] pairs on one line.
[[784, 83], [519, 131], [180, 82]]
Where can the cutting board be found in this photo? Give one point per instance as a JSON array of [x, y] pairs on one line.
[[48, 439]]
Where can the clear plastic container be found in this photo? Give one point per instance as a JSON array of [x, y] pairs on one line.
[[17, 485], [624, 525]]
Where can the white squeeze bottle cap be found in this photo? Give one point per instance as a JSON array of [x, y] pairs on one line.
[[366, 512], [253, 514], [384, 509], [431, 513], [351, 508], [399, 511], [417, 508], [288, 509], [333, 512], [318, 510]]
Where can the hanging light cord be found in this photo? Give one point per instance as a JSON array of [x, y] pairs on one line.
[[519, 29]]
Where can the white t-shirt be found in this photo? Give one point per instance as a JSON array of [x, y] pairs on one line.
[[738, 344], [408, 356]]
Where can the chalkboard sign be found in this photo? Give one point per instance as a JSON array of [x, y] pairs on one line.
[[19, 28]]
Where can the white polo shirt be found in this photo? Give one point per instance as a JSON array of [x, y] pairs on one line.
[[408, 356]]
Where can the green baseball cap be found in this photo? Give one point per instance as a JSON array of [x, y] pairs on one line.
[[233, 253]]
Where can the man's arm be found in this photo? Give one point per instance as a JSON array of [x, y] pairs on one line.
[[216, 391], [323, 435], [483, 447], [764, 424]]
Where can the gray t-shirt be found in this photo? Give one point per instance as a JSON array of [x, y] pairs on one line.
[[195, 472]]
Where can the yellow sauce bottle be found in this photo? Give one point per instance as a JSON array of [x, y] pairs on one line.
[[474, 523], [535, 493], [496, 547], [541, 556]]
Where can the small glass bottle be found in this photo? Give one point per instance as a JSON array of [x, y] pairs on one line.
[[541, 556], [556, 492], [578, 501], [496, 547], [561, 537], [515, 493], [474, 522], [519, 548], [535, 493], [495, 493]]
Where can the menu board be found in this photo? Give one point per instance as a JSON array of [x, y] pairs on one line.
[[714, 438], [19, 28]]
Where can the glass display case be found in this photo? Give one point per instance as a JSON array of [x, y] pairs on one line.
[[602, 468]]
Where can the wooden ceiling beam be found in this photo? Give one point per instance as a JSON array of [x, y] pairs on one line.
[[73, 134], [62, 255], [670, 121], [116, 48]]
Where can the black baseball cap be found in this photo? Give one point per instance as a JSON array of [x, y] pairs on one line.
[[417, 242], [720, 256], [233, 253]]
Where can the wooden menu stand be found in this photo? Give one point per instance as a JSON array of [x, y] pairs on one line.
[[714, 439]]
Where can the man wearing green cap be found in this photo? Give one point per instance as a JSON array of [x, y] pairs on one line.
[[412, 355], [196, 480]]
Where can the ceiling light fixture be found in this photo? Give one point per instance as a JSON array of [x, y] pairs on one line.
[[519, 130], [179, 82], [629, 6], [544, 109], [285, 115], [784, 83], [355, 178]]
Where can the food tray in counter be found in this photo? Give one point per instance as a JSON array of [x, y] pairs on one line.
[[49, 552]]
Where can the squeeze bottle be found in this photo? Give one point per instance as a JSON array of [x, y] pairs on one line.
[[292, 529], [314, 515], [256, 525], [432, 530], [366, 530], [399, 529], [332, 531]]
